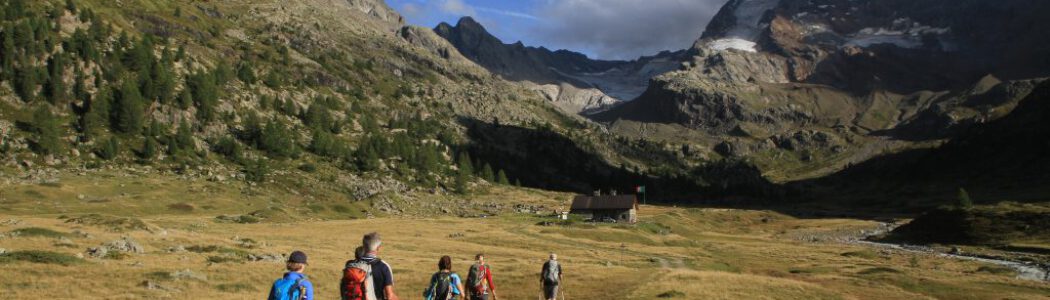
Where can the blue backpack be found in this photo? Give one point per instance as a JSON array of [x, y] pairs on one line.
[[288, 289]]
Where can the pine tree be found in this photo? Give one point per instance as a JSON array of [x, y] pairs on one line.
[[368, 158], [97, 116], [205, 93], [222, 73], [185, 99], [317, 117], [230, 148], [245, 73], [150, 148], [129, 111], [184, 137], [464, 164], [180, 54], [56, 86], [501, 177], [278, 141], [463, 175], [71, 6], [289, 108], [47, 130], [140, 57], [486, 173], [964, 199], [256, 171], [109, 149], [25, 82]]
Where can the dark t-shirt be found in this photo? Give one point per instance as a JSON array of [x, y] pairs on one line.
[[382, 276]]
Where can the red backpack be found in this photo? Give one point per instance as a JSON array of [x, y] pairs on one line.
[[357, 281], [476, 279]]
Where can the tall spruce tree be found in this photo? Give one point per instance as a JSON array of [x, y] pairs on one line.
[[487, 174], [128, 109], [47, 131]]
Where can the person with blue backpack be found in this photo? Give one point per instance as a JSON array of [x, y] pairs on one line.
[[294, 285], [445, 284]]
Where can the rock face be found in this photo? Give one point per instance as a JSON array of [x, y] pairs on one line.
[[568, 79], [379, 10], [855, 71]]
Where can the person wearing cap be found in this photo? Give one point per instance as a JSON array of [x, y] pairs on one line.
[[296, 266]]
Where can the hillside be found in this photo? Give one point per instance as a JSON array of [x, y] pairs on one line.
[[342, 91]]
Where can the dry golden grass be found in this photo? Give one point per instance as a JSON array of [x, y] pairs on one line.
[[681, 253]]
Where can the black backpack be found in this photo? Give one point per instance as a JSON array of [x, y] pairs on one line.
[[441, 286]]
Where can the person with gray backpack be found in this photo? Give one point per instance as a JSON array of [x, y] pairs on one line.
[[550, 278]]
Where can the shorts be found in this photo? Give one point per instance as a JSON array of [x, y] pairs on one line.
[[550, 292], [483, 296]]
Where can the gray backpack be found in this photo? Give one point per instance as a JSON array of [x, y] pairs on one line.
[[553, 269]]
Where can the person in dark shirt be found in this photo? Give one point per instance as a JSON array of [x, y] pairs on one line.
[[382, 276], [550, 278]]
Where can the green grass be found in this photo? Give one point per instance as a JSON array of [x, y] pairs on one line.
[[38, 232], [866, 254], [182, 207], [111, 222], [997, 270], [236, 287], [878, 270], [220, 259], [40, 257]]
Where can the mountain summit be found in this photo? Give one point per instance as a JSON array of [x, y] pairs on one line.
[[570, 80]]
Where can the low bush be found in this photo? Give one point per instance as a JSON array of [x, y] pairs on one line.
[[40, 257]]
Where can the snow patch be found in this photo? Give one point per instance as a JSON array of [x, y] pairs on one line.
[[748, 17], [732, 43], [903, 33], [748, 27]]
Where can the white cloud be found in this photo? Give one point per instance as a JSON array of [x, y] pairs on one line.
[[457, 7], [507, 13]]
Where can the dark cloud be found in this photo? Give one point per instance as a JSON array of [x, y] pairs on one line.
[[622, 29]]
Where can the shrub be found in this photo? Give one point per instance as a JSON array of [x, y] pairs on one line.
[[40, 257], [183, 207], [38, 232], [671, 294]]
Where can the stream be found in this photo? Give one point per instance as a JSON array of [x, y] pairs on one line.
[[1028, 271]]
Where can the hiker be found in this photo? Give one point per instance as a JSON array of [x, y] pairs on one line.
[[355, 282], [479, 280], [294, 285], [445, 284], [550, 278], [367, 277]]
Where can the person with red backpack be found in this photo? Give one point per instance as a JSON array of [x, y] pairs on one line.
[[479, 280], [367, 277], [445, 284]]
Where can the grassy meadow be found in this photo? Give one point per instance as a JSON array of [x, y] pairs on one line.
[[673, 253]]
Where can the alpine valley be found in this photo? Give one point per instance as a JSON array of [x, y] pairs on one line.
[[799, 149]]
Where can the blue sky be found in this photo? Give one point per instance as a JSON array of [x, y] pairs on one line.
[[606, 29]]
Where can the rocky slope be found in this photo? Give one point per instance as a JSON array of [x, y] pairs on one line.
[[823, 84], [570, 80]]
